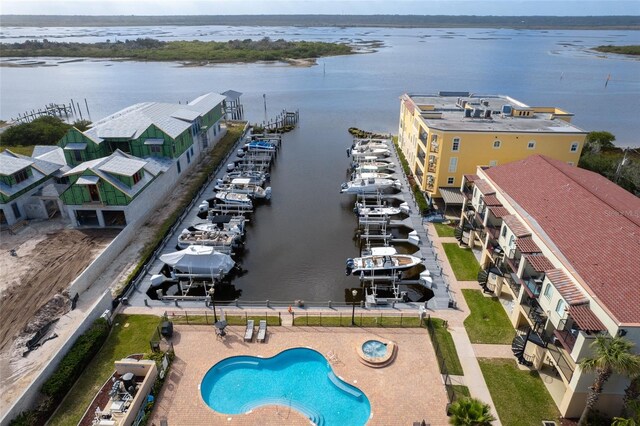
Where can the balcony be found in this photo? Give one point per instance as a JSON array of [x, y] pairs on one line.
[[494, 231], [534, 285], [514, 284], [468, 193], [431, 167], [512, 261], [565, 366], [434, 147], [567, 338], [536, 315]]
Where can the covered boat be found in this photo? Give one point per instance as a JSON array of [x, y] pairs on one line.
[[364, 210], [198, 261], [380, 263]]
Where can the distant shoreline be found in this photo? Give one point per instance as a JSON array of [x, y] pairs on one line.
[[374, 21]]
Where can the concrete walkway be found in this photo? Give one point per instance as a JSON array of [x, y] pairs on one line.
[[467, 353], [492, 351]]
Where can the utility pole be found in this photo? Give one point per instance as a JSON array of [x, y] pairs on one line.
[[622, 163], [264, 97]]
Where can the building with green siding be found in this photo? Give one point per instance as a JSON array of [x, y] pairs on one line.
[[30, 186], [158, 141], [105, 191]]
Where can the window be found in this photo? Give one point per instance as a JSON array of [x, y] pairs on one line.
[[475, 191], [548, 291], [453, 164], [155, 149], [496, 144], [531, 145], [137, 177], [574, 147], [493, 163], [560, 307], [20, 176], [188, 157], [192, 151], [450, 180], [77, 155], [16, 210], [178, 164], [456, 145], [512, 241], [504, 231]]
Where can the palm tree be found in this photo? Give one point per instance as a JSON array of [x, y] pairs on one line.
[[470, 412], [612, 355]]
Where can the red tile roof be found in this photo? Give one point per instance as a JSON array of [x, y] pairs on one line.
[[539, 263], [585, 318], [518, 229], [594, 223], [566, 287], [484, 187], [491, 200], [527, 245], [409, 105], [471, 178], [498, 211]]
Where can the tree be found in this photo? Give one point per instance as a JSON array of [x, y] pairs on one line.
[[45, 130], [597, 141], [470, 412], [611, 355], [82, 125]]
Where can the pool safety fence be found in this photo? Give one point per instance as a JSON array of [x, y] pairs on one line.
[[357, 319], [208, 317], [452, 395]]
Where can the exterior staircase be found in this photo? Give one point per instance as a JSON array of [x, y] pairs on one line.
[[483, 279], [518, 346]]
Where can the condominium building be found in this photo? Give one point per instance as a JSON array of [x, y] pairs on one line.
[[447, 135], [561, 247]]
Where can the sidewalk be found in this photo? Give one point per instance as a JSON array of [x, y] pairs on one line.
[[467, 353]]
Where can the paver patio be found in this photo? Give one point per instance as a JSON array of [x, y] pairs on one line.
[[408, 390]]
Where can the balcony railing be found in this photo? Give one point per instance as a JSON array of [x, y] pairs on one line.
[[535, 286], [567, 338], [565, 366], [536, 315], [467, 192], [494, 231], [431, 168], [513, 284], [512, 261]]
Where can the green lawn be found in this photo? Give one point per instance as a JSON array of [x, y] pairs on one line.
[[462, 261], [461, 391], [231, 319], [18, 149], [488, 322], [444, 230], [130, 336], [519, 395], [447, 347], [361, 321]]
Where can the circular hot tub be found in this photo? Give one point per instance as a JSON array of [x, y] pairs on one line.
[[375, 353]]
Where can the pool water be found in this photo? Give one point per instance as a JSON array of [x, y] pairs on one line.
[[374, 348], [299, 378]]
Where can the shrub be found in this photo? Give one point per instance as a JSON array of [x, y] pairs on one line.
[[75, 361], [46, 130]]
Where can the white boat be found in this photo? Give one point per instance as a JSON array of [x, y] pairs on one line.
[[256, 178], [369, 186], [370, 211], [370, 152], [370, 144], [229, 223], [244, 186], [379, 263], [198, 262], [233, 199], [261, 145], [223, 241], [375, 175], [373, 167]]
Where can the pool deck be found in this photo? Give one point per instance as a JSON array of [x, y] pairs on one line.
[[409, 389]]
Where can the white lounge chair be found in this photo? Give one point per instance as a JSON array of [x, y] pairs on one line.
[[262, 331], [248, 334]]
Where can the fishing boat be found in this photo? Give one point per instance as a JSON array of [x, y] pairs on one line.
[[223, 222], [198, 262], [261, 145], [369, 144], [255, 177], [233, 199], [370, 152], [364, 210], [244, 186], [369, 186], [368, 175], [381, 263], [222, 241]]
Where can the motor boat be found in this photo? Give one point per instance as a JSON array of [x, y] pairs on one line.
[[261, 145], [244, 186], [223, 241], [369, 186], [256, 178], [198, 262], [364, 210], [381, 263], [233, 199], [368, 175], [223, 222], [369, 144], [370, 152]]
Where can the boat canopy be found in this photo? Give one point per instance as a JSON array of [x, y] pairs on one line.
[[199, 260]]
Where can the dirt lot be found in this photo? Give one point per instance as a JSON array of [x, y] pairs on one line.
[[48, 258]]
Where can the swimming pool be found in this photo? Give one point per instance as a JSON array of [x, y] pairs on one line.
[[299, 378]]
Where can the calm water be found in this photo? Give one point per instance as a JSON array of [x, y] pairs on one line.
[[300, 378], [298, 245]]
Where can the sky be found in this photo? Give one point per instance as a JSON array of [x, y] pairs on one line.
[[340, 7]]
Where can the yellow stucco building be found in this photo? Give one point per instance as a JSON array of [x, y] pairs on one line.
[[447, 135]]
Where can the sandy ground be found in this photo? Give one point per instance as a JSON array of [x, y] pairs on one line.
[[51, 253]]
